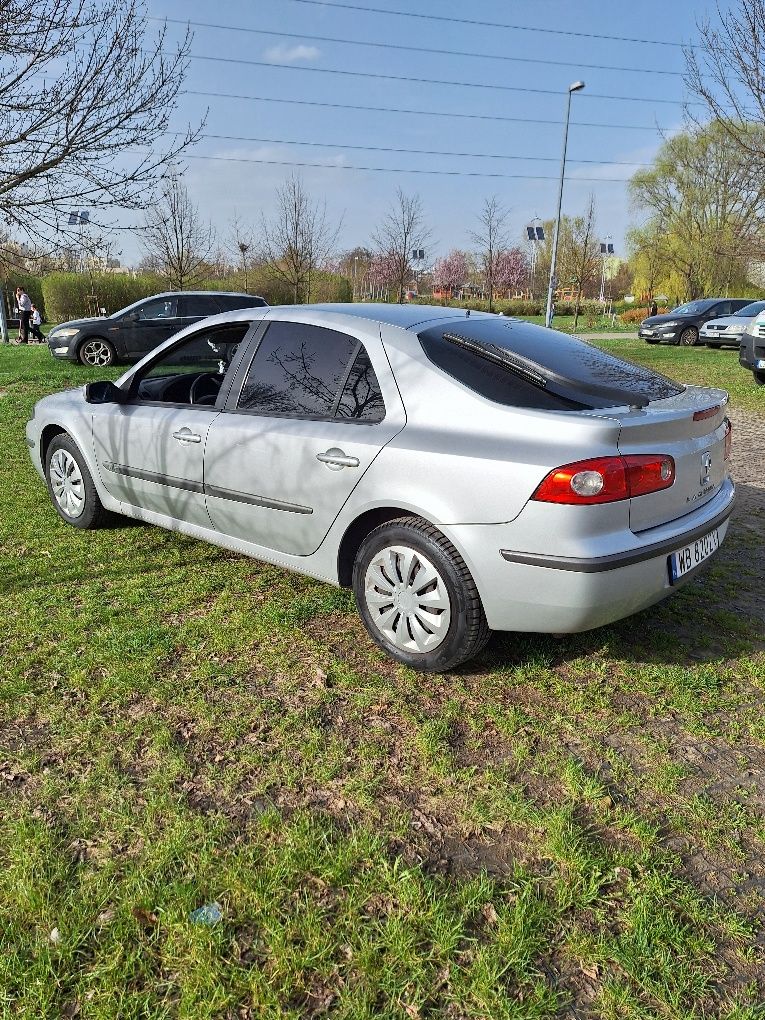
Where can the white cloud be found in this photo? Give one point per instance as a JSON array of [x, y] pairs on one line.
[[283, 54]]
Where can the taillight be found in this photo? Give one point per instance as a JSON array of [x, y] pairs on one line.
[[607, 479], [728, 438]]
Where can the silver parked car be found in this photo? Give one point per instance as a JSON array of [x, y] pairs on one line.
[[729, 330], [461, 472]]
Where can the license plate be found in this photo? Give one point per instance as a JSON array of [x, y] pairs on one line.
[[690, 556]]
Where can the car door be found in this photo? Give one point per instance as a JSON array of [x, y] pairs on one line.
[[307, 415], [150, 449], [150, 324]]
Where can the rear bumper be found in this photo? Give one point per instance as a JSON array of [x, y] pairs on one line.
[[548, 593]]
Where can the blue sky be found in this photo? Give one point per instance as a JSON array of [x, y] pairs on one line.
[[292, 53]]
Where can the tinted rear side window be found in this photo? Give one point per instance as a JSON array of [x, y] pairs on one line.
[[229, 302], [361, 397], [297, 370], [549, 370], [199, 304]]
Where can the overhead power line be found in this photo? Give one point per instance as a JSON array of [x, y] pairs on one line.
[[399, 170], [427, 81], [421, 113], [413, 152], [418, 49], [488, 24]]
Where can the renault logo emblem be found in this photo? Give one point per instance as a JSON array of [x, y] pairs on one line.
[[706, 467]]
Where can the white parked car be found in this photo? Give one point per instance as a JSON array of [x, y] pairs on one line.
[[727, 331]]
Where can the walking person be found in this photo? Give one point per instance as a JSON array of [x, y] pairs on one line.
[[24, 305], [36, 322]]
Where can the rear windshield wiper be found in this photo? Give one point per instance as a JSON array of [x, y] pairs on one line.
[[522, 367]]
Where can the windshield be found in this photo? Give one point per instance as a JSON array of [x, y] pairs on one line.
[[692, 308], [748, 311]]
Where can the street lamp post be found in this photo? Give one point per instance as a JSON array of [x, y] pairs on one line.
[[575, 87]]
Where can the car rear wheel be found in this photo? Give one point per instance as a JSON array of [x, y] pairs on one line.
[[71, 487], [689, 337], [759, 378], [97, 352], [417, 597]]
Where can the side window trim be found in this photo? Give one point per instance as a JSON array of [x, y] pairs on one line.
[[344, 381]]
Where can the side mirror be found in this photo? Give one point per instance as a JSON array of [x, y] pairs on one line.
[[104, 392]]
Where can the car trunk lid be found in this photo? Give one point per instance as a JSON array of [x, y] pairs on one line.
[[690, 427]]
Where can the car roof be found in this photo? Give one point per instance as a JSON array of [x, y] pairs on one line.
[[198, 293], [404, 316]]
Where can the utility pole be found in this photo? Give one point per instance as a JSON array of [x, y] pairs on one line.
[[576, 86]]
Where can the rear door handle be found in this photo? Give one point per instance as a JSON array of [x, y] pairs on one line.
[[187, 436], [335, 459]]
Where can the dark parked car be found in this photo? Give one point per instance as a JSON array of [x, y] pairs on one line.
[[134, 331], [751, 353], [683, 324]]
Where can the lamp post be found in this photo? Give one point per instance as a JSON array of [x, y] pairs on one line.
[[574, 87]]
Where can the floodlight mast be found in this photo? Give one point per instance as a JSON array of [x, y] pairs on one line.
[[576, 86]]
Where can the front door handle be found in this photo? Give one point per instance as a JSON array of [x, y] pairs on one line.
[[187, 436], [335, 459]]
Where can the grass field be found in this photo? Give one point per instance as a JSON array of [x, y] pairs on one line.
[[562, 828]]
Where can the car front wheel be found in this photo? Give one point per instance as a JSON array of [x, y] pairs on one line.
[[97, 352], [71, 487], [417, 597], [689, 337]]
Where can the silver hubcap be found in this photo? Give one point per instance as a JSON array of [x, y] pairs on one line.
[[407, 599], [67, 484], [95, 352]]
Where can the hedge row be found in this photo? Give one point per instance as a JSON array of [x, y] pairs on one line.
[[527, 308], [73, 295]]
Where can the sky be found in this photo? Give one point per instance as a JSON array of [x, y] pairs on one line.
[[277, 50]]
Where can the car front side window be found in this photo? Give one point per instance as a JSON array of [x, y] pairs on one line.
[[163, 308], [191, 372]]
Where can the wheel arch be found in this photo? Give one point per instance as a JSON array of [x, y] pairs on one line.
[[358, 530], [47, 436]]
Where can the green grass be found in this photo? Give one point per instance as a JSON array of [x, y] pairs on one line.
[[181, 726]]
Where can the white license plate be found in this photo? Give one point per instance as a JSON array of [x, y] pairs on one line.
[[690, 556]]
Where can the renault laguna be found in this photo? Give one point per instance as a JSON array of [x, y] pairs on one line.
[[461, 472]]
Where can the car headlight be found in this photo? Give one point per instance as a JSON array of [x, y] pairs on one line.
[[668, 325], [59, 334]]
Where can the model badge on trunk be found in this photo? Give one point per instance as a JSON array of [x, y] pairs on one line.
[[706, 467]]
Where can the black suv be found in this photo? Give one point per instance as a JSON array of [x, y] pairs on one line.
[[134, 331], [682, 324]]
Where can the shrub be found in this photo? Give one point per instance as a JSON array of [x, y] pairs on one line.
[[67, 295], [638, 314]]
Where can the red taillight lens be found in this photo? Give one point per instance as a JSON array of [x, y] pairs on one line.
[[728, 438], [606, 479]]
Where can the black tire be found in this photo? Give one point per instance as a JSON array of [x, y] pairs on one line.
[[97, 352], [759, 378], [61, 451], [467, 631], [689, 337]]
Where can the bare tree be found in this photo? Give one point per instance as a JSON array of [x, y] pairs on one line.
[[726, 71], [401, 232], [491, 238], [176, 241], [580, 253], [299, 238], [84, 85], [241, 247]]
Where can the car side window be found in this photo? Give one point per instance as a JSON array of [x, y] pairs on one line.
[[724, 308], [162, 308], [192, 372], [199, 304], [298, 370], [361, 397]]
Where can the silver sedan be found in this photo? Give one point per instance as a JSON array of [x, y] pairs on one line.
[[461, 472]]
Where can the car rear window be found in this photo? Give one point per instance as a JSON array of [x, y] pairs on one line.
[[516, 363]]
